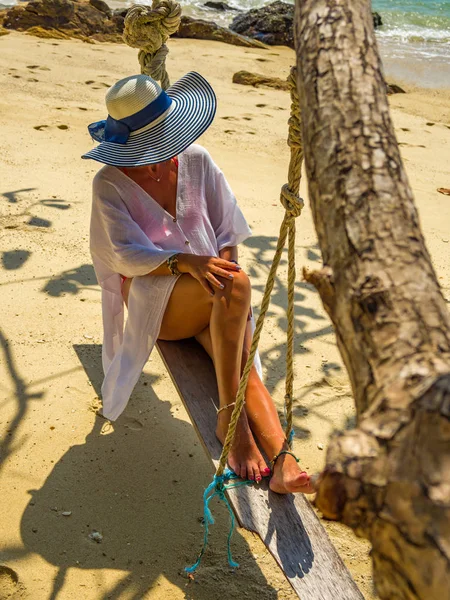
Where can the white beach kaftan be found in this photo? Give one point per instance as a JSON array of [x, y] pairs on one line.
[[131, 235]]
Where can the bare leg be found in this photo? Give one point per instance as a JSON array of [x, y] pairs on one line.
[[190, 311], [263, 418]]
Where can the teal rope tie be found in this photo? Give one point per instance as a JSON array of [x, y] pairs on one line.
[[291, 437], [218, 487]]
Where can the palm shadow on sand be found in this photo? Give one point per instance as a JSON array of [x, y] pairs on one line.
[[140, 486]]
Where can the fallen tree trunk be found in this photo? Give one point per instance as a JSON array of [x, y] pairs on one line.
[[389, 479]]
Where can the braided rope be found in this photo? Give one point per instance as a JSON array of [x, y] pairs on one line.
[[148, 28], [293, 205]]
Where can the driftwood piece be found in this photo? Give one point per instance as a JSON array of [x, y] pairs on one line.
[[389, 479], [287, 524], [255, 79]]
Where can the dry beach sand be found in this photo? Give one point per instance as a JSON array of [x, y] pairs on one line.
[[139, 483]]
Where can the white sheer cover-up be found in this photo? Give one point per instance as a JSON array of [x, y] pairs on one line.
[[131, 235]]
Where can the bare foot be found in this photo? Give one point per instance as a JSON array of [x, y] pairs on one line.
[[287, 478], [244, 458]]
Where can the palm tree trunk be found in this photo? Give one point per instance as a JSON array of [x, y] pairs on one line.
[[389, 479]]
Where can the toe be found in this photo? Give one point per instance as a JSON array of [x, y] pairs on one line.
[[257, 473], [243, 472], [263, 469], [303, 478], [236, 469], [250, 472]]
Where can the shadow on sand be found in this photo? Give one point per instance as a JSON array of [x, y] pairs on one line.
[[122, 483]]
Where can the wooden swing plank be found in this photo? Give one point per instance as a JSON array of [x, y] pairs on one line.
[[287, 525]]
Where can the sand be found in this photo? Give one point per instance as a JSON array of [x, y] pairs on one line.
[[139, 483]]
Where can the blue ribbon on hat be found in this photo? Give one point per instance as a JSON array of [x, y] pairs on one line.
[[118, 131]]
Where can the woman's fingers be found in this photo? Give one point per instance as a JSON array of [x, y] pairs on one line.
[[226, 264], [223, 273], [213, 281]]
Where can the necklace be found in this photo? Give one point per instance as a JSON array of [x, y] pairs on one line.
[[163, 173], [157, 179]]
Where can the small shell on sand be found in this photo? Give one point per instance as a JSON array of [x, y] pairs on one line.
[[96, 536]]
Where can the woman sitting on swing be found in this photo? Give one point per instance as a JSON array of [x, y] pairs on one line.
[[165, 228]]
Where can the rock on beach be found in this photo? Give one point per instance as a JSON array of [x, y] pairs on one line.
[[208, 30], [273, 24], [77, 19]]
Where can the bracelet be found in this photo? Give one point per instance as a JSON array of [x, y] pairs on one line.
[[172, 264]]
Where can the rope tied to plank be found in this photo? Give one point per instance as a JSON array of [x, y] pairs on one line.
[[293, 206], [218, 487], [148, 28]]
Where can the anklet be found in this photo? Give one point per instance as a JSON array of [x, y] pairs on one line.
[[225, 407], [277, 456]]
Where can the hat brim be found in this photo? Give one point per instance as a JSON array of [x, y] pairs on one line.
[[194, 107]]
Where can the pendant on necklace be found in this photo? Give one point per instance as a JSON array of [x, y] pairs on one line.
[[157, 179]]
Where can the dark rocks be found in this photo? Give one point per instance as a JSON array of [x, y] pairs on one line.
[[377, 22], [101, 6], [392, 88], [77, 19], [273, 24], [207, 30], [94, 20], [220, 6], [254, 79], [120, 12], [56, 11]]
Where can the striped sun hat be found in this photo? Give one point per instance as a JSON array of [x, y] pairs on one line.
[[147, 125]]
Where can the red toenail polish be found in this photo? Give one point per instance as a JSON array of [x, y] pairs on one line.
[[266, 470]]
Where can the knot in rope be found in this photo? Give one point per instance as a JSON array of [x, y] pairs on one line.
[[219, 482], [292, 203], [148, 28]]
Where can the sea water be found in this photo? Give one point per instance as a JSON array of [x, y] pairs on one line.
[[414, 39]]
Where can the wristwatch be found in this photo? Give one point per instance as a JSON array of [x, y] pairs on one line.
[[172, 264]]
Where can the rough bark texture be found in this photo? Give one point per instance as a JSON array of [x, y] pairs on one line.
[[389, 479]]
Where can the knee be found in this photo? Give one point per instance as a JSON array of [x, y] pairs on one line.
[[241, 283], [237, 290], [240, 288]]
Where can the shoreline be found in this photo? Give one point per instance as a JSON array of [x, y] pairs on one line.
[[413, 63], [140, 482]]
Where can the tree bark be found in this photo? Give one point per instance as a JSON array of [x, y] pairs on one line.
[[388, 479]]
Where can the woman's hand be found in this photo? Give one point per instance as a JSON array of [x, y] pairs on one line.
[[206, 269]]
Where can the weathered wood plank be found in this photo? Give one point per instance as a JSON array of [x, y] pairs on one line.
[[287, 525]]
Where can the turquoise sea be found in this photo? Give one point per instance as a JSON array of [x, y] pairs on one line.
[[414, 39]]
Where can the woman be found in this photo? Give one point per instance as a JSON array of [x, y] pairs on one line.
[[165, 228]]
